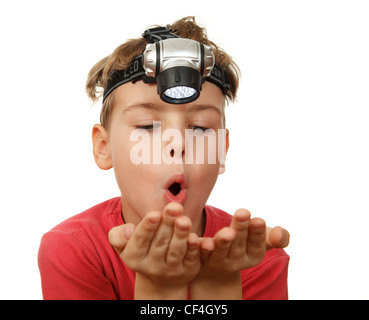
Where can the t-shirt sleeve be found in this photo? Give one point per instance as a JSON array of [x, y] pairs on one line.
[[267, 281], [70, 270]]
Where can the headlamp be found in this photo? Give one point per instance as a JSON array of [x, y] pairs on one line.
[[178, 66]]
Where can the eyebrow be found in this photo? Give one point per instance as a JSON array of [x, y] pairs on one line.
[[140, 106], [155, 107], [205, 107]]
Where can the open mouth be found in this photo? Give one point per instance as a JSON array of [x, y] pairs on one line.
[[175, 188]]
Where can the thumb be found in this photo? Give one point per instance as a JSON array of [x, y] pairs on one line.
[[119, 236], [277, 238]]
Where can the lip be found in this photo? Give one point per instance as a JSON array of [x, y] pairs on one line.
[[182, 195]]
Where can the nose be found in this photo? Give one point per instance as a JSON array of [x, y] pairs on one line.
[[174, 149], [173, 153]]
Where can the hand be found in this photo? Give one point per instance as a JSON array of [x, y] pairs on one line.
[[161, 249], [234, 248], [245, 241]]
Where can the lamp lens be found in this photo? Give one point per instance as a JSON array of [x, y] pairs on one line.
[[180, 92]]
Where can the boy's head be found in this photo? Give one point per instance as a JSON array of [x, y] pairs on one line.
[[124, 55], [148, 141]]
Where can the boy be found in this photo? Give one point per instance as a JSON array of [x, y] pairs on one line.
[[160, 240]]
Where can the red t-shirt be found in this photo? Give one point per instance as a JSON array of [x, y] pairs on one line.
[[76, 260]]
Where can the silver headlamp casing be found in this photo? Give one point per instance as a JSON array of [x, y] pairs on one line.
[[177, 52], [179, 66]]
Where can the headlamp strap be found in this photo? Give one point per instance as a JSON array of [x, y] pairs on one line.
[[157, 34], [136, 72], [132, 74], [219, 77]]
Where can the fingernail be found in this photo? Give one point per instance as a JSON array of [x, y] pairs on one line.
[[243, 216], [172, 213], [183, 224], [193, 240], [173, 209], [155, 219]]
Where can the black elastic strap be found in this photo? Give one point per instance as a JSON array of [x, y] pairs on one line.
[[118, 77], [219, 77], [136, 72]]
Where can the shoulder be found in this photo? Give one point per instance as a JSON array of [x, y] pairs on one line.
[[216, 219], [75, 258], [106, 214], [84, 230], [268, 280], [275, 257]]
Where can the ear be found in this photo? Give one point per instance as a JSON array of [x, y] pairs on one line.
[[222, 165], [101, 149]]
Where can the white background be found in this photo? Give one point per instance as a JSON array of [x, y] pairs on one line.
[[299, 150]]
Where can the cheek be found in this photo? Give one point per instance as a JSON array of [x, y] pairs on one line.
[[203, 177], [208, 148], [125, 169], [135, 177]]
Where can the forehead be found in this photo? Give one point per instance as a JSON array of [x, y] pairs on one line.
[[139, 95]]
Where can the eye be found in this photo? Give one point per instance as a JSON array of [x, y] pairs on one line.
[[148, 127], [198, 128]]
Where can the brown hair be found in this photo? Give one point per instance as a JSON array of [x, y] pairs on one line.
[[123, 57]]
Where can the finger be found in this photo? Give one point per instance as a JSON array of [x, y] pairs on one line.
[[178, 243], [163, 235], [193, 250], [240, 217], [277, 238], [256, 239], [223, 240], [206, 246], [119, 236], [140, 241], [240, 223]]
